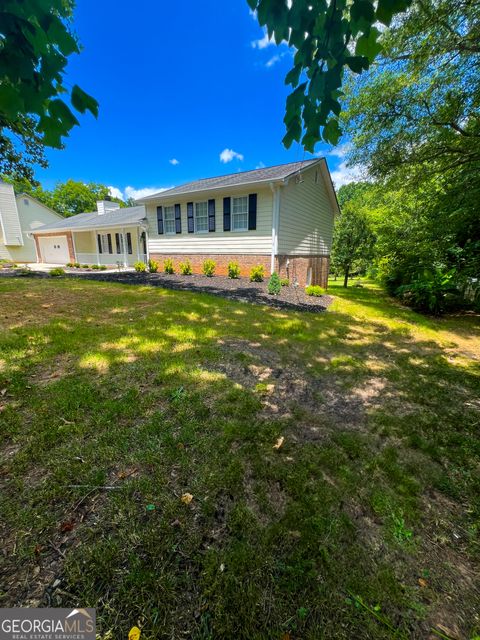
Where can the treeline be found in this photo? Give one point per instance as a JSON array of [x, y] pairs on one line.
[[414, 126], [67, 198]]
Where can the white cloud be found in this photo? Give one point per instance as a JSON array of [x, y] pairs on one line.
[[135, 194], [253, 13], [228, 155], [174, 161], [343, 174], [273, 60], [260, 165], [115, 192], [264, 42]]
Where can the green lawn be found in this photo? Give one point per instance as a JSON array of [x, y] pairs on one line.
[[115, 401]]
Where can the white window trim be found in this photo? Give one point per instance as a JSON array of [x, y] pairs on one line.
[[169, 233], [104, 242], [122, 244], [232, 215], [205, 202]]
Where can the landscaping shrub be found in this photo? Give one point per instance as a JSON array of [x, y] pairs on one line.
[[432, 292], [186, 268], [209, 267], [103, 267], [57, 271], [168, 266], [84, 266], [314, 290], [140, 267], [76, 265], [285, 282], [70, 265], [153, 266], [233, 270], [257, 273], [274, 284], [94, 266]]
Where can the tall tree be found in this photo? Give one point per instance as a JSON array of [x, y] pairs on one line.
[[36, 41], [328, 37]]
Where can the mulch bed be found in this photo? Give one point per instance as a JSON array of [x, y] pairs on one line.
[[240, 289]]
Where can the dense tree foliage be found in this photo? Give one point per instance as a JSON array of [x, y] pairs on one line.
[[328, 38], [36, 41], [68, 198]]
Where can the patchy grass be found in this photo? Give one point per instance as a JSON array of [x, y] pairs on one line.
[[117, 401]]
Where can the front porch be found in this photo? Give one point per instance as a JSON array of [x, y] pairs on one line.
[[111, 247]]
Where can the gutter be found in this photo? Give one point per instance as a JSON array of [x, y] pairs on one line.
[[40, 231], [275, 222]]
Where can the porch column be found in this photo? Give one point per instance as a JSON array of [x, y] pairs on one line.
[[125, 255], [138, 244], [95, 242]]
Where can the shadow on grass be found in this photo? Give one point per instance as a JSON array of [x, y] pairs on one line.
[[108, 385]]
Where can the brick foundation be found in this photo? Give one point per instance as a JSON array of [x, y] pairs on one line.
[[299, 267], [67, 234]]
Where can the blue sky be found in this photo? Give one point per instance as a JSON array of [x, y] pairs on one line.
[[178, 84]]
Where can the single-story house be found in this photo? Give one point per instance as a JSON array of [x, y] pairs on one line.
[[20, 216], [108, 236], [281, 217]]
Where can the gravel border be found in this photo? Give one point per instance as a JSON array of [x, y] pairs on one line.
[[239, 289]]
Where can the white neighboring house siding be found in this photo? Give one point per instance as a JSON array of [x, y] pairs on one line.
[[32, 215], [255, 242], [10, 229], [306, 215]]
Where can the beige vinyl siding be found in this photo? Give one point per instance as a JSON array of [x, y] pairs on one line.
[[306, 215], [9, 216], [258, 241], [85, 243], [32, 215]]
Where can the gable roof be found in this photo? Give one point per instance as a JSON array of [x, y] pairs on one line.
[[84, 221], [266, 174]]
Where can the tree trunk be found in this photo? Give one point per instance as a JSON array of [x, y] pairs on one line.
[[347, 273]]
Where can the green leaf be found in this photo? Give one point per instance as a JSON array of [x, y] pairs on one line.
[[82, 101], [331, 131], [293, 76], [362, 14], [59, 110], [252, 4], [368, 46], [11, 102], [357, 63]]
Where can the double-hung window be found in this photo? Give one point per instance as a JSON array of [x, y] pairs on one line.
[[201, 217], [240, 214], [169, 220], [104, 241]]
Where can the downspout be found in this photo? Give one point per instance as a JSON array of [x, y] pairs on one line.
[[275, 223]]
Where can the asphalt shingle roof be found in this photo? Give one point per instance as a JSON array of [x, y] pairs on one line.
[[279, 172], [116, 218]]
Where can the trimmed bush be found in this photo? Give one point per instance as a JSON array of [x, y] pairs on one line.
[[233, 270], [186, 268], [168, 266], [84, 266], [56, 272], [285, 282], [140, 267], [314, 290], [94, 266], [153, 266], [103, 267], [209, 267], [69, 265], [274, 286], [257, 273]]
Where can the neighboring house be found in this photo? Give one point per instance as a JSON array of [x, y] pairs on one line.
[[281, 217], [107, 236], [19, 216]]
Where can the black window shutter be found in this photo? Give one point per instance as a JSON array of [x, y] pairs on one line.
[[191, 226], [211, 215], [109, 238], [117, 242], [227, 206], [129, 242], [252, 211], [99, 241], [160, 219], [178, 219]]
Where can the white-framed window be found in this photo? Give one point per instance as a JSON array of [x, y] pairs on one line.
[[104, 241], [201, 217], [240, 214], [169, 220]]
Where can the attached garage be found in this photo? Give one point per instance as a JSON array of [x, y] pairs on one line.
[[54, 249]]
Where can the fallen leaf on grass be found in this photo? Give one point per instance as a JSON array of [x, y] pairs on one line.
[[134, 633], [3, 392], [126, 473], [187, 498], [37, 549], [422, 582], [67, 526], [279, 443]]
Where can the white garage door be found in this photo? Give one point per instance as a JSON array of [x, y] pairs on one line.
[[55, 250]]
